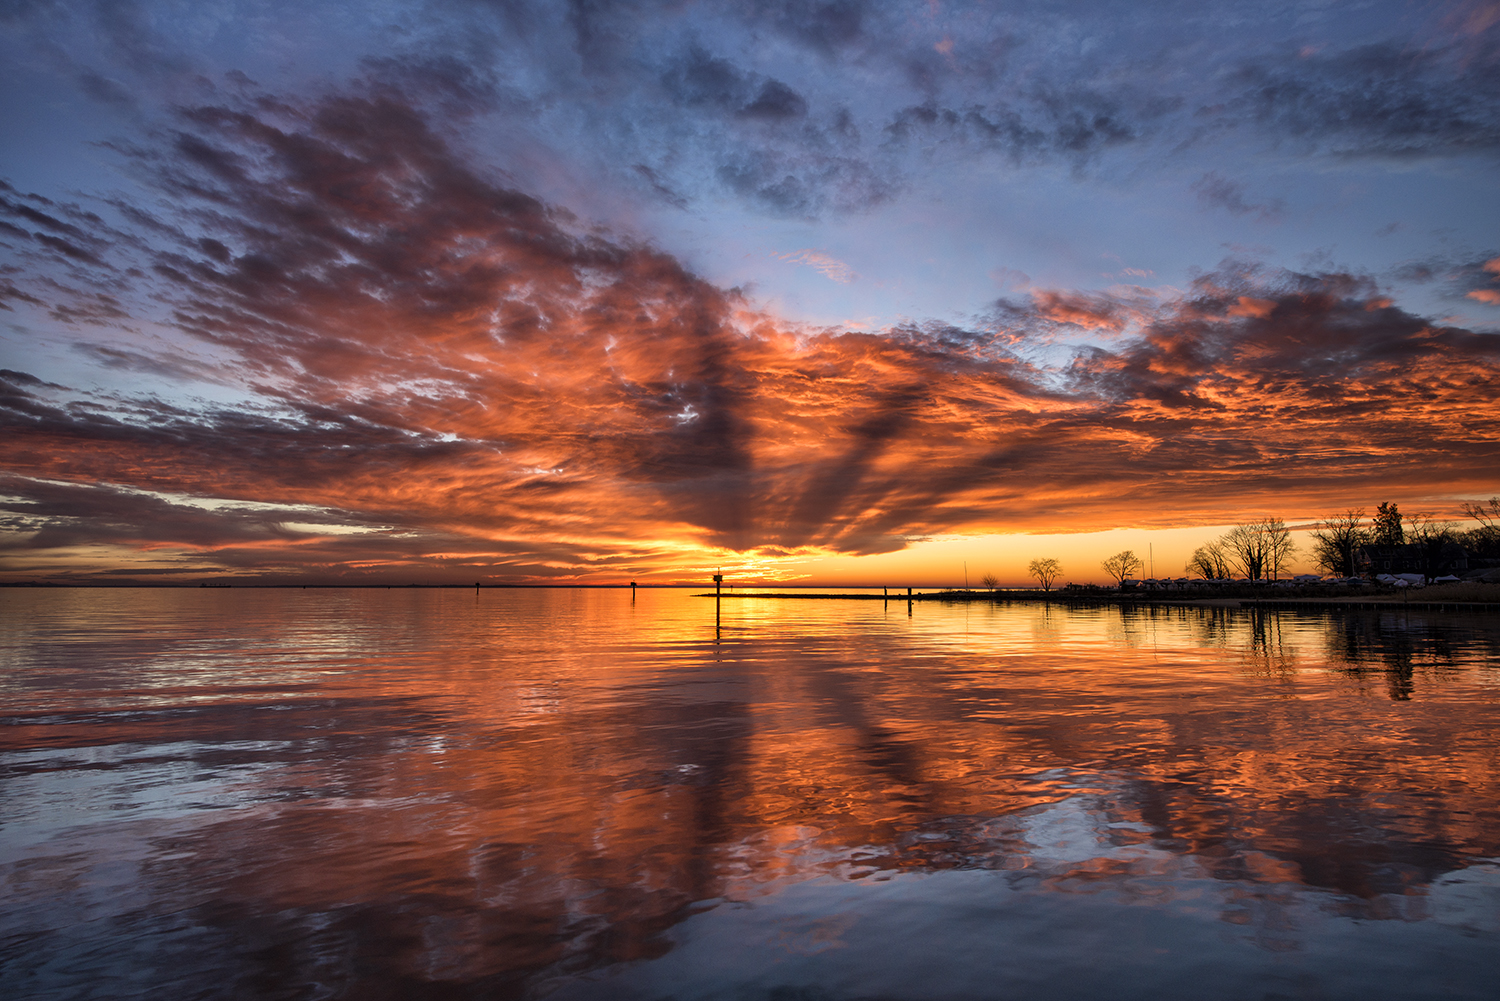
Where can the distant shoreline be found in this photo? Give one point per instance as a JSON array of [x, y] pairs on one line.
[[1300, 599], [1390, 600]]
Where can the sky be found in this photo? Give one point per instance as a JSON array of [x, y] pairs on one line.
[[449, 291]]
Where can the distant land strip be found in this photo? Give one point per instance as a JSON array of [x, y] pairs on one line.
[[1377, 602]]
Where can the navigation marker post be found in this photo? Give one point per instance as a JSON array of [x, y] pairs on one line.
[[718, 583]]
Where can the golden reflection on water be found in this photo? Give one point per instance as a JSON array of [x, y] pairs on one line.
[[502, 791]]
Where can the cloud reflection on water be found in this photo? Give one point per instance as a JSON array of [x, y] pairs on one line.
[[428, 792]]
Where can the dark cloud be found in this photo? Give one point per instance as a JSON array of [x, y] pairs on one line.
[[37, 210], [653, 180], [1477, 281], [23, 379], [126, 26], [824, 27], [19, 395], [775, 102], [1221, 192], [794, 187], [103, 89], [892, 84], [1419, 272], [9, 293], [1388, 99], [699, 79], [153, 364], [71, 514], [692, 91], [47, 232], [1473, 278]]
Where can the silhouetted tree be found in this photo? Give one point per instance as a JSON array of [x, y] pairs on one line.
[[1122, 565], [1385, 530], [1210, 561], [1488, 515], [1484, 540], [1335, 543], [1279, 547], [990, 581], [1045, 571], [1433, 536], [1246, 550], [1260, 548]]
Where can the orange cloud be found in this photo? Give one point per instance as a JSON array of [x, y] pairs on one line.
[[1079, 310], [1248, 306], [456, 377]]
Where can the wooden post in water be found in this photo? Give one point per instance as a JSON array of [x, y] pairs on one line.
[[718, 582]]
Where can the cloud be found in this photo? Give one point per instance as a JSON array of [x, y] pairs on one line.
[[1381, 99], [775, 102], [1009, 278], [1220, 192], [1478, 280], [803, 110], [823, 27], [484, 385], [1073, 123], [699, 79], [653, 180], [830, 267], [62, 231], [1090, 312]]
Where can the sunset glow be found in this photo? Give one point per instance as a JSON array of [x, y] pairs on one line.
[[635, 295]]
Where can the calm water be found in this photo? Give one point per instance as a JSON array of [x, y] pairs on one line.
[[433, 794]]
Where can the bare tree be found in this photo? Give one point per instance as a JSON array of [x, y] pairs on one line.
[[1260, 548], [1279, 547], [1122, 565], [1335, 543], [990, 581], [1433, 536], [1484, 540], [1488, 515], [1210, 561], [1045, 570], [1421, 525], [1246, 549]]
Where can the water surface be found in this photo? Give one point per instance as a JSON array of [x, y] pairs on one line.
[[423, 793]]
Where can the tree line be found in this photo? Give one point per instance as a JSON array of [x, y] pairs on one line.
[[1337, 543], [1257, 550], [1263, 550]]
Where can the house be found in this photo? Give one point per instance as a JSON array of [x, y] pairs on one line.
[[1430, 560]]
